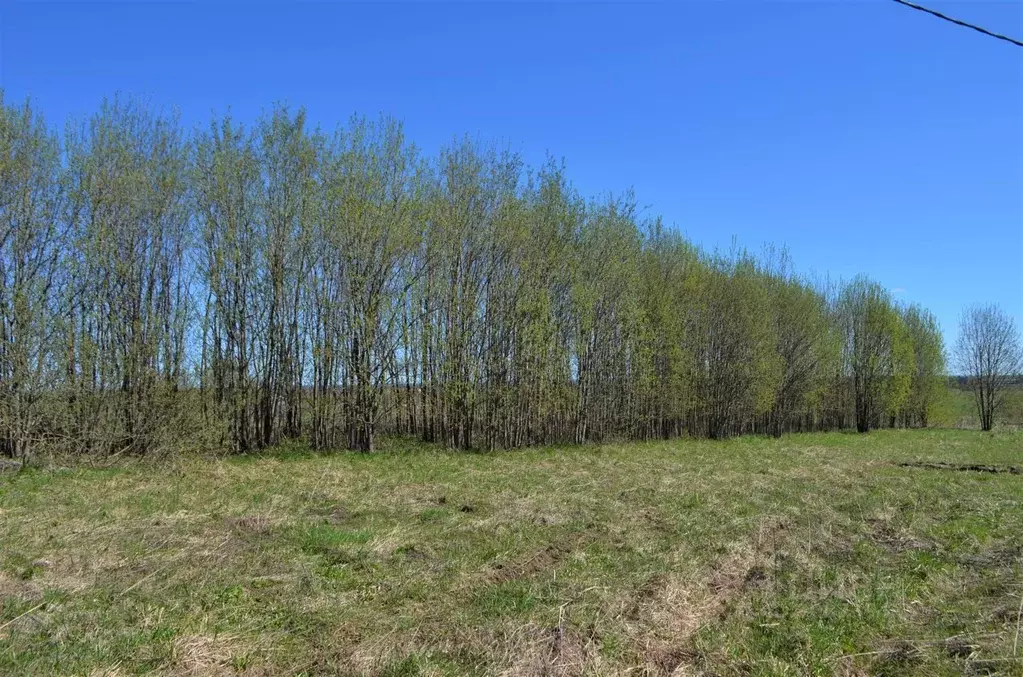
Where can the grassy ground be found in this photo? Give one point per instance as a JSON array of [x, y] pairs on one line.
[[957, 408], [813, 554]]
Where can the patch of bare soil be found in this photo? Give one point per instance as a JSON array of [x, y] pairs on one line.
[[959, 647], [1000, 555], [19, 589], [338, 514], [896, 656], [544, 560], [330, 510], [963, 467]]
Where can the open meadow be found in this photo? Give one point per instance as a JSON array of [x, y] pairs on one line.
[[517, 339], [810, 554]]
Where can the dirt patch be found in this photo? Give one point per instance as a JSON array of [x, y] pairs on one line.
[[338, 514], [69, 574], [645, 594], [330, 510], [657, 523], [895, 540], [959, 647], [963, 467], [12, 588], [546, 559], [544, 520], [1000, 555], [668, 614], [411, 553], [748, 566], [667, 660]]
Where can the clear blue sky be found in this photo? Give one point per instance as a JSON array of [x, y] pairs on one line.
[[864, 136]]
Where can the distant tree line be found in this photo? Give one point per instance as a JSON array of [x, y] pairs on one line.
[[235, 287]]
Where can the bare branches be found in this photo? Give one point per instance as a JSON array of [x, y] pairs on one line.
[[245, 287], [990, 354]]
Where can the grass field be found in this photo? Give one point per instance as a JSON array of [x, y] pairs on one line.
[[812, 554], [956, 408]]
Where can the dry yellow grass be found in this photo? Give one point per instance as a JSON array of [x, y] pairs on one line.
[[812, 554]]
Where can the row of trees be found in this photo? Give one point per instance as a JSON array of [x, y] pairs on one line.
[[237, 287]]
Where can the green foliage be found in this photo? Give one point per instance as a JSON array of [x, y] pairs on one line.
[[928, 376], [878, 352], [31, 201], [742, 364], [239, 288]]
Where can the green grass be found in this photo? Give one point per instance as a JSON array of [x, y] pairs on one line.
[[813, 554], [957, 408]]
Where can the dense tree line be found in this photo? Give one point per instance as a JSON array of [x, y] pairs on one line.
[[235, 287]]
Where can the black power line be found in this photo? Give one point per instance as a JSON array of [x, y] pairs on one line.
[[961, 23]]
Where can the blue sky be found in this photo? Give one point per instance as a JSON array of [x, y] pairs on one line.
[[864, 136]]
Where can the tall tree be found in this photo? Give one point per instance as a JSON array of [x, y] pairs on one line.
[[990, 354], [671, 271], [127, 331], [928, 369], [473, 185], [807, 345], [877, 352], [605, 316], [288, 165], [226, 188], [371, 229], [31, 248], [743, 369]]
